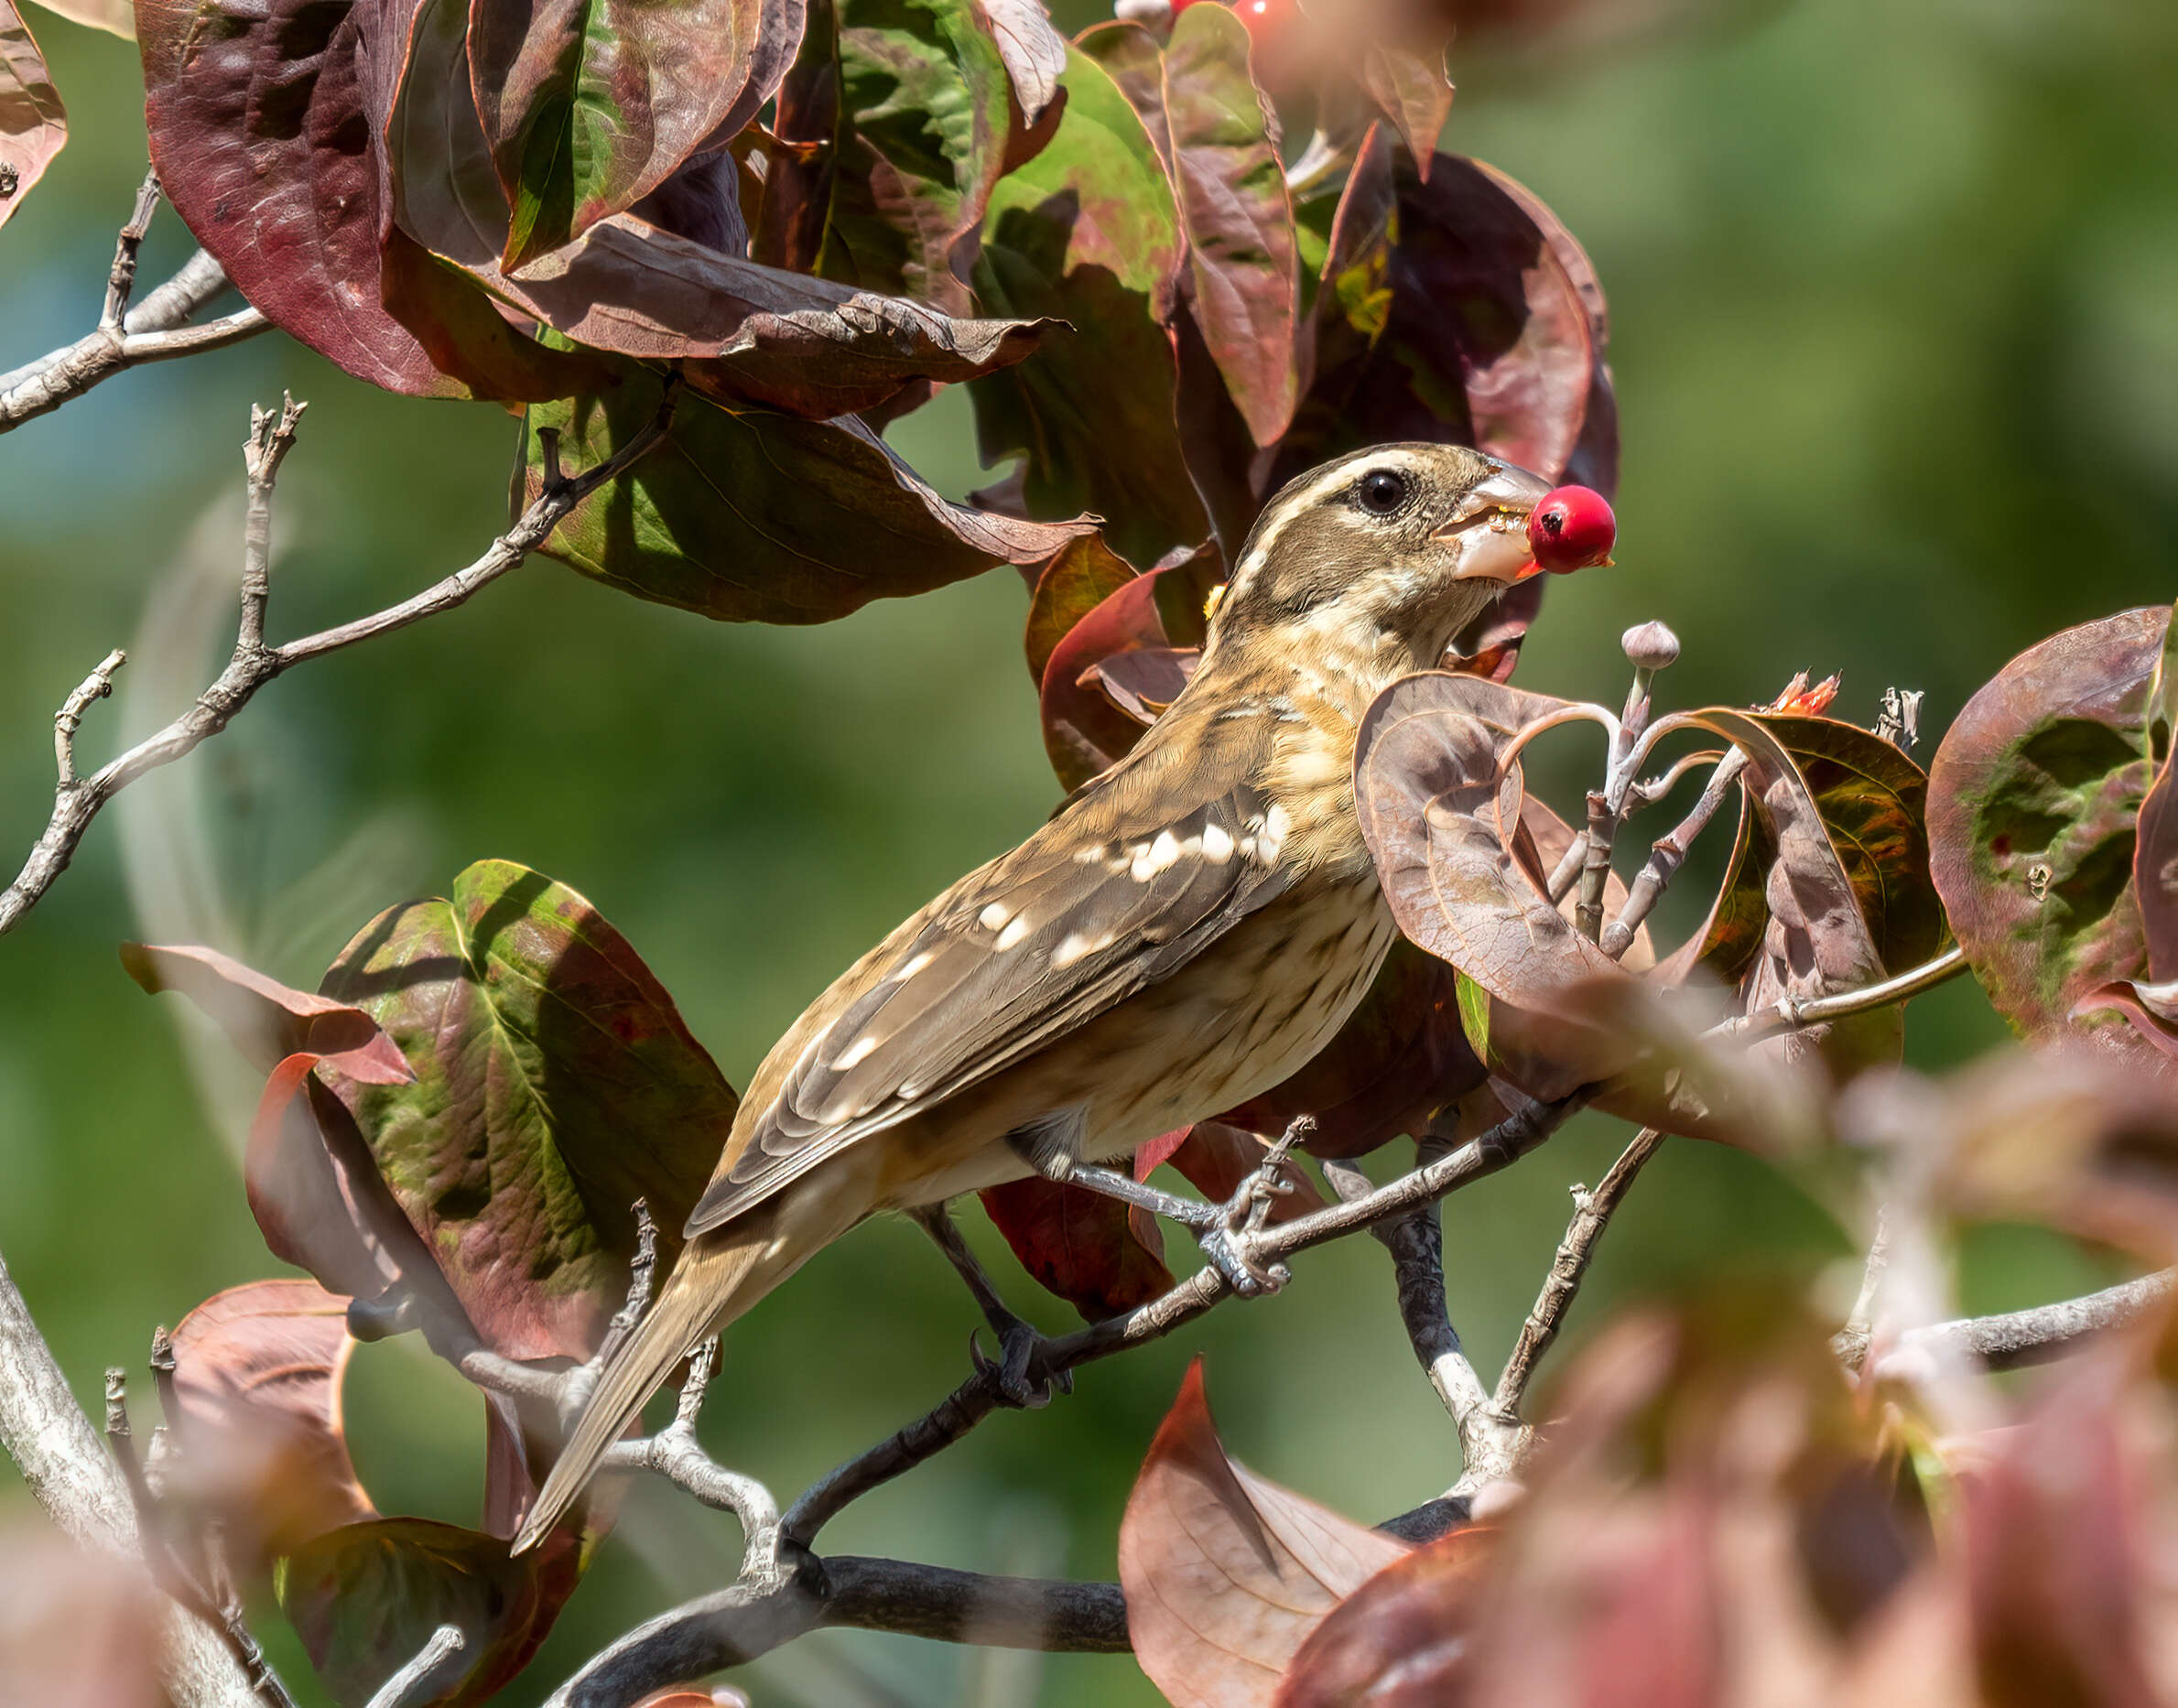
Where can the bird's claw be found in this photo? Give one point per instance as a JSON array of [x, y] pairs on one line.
[[1018, 1344], [1230, 1253]]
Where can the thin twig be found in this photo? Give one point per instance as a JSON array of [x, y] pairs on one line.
[[1668, 853], [121, 281], [76, 805], [70, 718], [67, 374], [2017, 1338], [427, 1674], [1794, 1012], [1592, 1212], [271, 439], [1490, 1440]]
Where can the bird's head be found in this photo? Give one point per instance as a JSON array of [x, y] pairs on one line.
[[1374, 562]]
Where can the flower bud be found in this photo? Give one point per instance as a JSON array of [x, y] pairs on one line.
[[1651, 646]]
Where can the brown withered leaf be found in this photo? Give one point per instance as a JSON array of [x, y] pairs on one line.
[[257, 1371], [1080, 1245], [1226, 1574], [33, 123], [2034, 802]]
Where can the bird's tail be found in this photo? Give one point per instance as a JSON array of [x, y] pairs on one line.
[[719, 1276]]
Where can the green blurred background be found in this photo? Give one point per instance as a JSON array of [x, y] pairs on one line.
[[1894, 291]]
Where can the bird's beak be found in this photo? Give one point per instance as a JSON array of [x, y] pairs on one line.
[[1490, 527]]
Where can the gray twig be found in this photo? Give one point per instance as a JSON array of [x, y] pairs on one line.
[[1668, 853], [271, 439], [1592, 1212], [1791, 1013], [121, 280], [78, 804], [2016, 1338], [1491, 1439], [70, 718], [427, 1674]]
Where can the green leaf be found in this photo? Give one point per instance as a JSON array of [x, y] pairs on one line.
[[1088, 232], [1217, 135], [749, 516], [2034, 806], [588, 105], [898, 121], [365, 1599], [741, 331], [555, 1085]]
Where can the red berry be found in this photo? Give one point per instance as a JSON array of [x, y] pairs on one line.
[[1265, 19], [1572, 528]]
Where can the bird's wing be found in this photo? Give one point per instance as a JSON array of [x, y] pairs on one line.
[[1129, 884]]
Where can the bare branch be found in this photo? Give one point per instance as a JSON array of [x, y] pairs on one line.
[[195, 283], [675, 1454], [1792, 1013], [271, 439], [121, 280], [2017, 1338], [68, 373], [733, 1625], [70, 718], [1491, 1439], [1668, 853], [428, 1673], [78, 804], [1592, 1212], [85, 1494]]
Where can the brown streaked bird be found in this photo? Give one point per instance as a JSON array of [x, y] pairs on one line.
[[1192, 927]]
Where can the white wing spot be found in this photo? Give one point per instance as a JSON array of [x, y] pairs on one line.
[[995, 917], [1152, 857], [1216, 844], [1076, 946], [1010, 936], [915, 966], [856, 1052]]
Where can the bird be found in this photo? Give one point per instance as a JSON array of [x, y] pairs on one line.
[[1186, 932]]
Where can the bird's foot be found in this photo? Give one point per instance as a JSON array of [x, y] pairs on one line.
[[1018, 1344], [1228, 1241]]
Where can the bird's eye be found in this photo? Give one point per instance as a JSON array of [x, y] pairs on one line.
[[1381, 491]]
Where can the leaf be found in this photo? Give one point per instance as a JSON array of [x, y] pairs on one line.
[[1399, 1058], [1077, 1243], [2151, 1010], [33, 123], [749, 516], [257, 1372], [1217, 138], [899, 120], [1226, 1574], [258, 130], [1035, 53], [743, 331], [310, 1180], [588, 105], [1464, 312], [1216, 1157], [1083, 574], [555, 1085], [1092, 714], [366, 1597], [2034, 800], [116, 17], [1401, 1640], [1088, 232], [1408, 86]]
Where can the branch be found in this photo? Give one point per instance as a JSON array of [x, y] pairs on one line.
[[85, 1495], [1491, 1439], [428, 1673], [77, 803], [1592, 1212], [2017, 1338], [155, 332], [733, 1625], [1792, 1013]]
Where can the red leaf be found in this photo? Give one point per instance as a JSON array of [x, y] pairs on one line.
[[258, 1371], [294, 209], [1226, 1574], [1086, 726], [32, 124], [265, 1020], [1408, 86], [1401, 1640], [1078, 1244], [1084, 573], [1216, 1157]]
